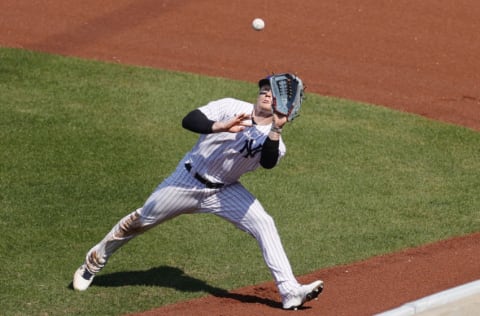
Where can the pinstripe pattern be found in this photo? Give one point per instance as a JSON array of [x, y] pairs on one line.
[[241, 208], [225, 157], [219, 157]]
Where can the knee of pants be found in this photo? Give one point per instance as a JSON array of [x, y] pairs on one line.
[[264, 224], [133, 224]]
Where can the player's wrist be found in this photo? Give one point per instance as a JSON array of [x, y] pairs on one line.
[[218, 127]]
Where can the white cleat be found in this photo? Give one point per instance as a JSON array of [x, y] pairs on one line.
[[303, 294], [82, 278]]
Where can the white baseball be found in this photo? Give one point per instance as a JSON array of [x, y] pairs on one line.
[[258, 24]]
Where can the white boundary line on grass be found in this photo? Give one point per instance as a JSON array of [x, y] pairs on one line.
[[435, 300]]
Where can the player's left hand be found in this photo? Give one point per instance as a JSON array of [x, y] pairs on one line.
[[279, 120], [288, 93]]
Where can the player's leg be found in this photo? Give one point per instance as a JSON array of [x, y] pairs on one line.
[[240, 207], [165, 203]]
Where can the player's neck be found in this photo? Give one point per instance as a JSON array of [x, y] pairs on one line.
[[262, 117], [262, 120]]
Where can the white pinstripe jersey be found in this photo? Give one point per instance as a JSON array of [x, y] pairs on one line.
[[224, 157]]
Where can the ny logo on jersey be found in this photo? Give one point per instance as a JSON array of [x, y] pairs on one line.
[[250, 150]]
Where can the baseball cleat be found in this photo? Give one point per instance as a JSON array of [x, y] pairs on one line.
[[304, 293], [82, 278]]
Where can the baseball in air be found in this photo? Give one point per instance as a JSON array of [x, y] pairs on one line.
[[258, 24]]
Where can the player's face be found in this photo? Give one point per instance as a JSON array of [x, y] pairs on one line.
[[264, 100]]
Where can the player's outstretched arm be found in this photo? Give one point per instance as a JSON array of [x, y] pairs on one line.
[[270, 154], [198, 122], [234, 125]]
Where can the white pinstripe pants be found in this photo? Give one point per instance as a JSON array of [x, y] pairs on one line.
[[180, 194]]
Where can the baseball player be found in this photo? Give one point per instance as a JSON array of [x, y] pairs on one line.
[[235, 137]]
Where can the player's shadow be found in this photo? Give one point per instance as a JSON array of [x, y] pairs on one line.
[[165, 276]]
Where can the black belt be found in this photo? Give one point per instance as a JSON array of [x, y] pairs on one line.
[[207, 183]]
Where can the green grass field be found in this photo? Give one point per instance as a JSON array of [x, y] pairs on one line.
[[83, 143]]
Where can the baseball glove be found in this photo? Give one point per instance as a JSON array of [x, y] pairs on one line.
[[288, 94]]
